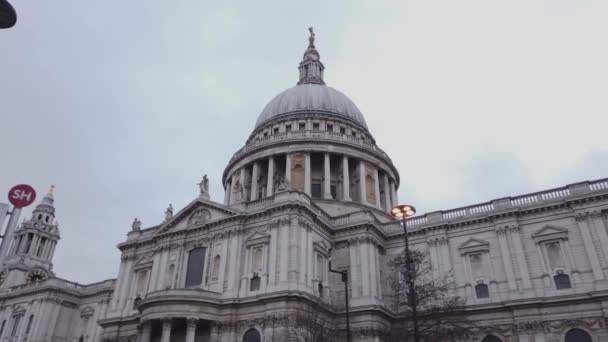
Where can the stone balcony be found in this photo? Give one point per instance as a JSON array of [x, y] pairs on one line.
[[311, 135]]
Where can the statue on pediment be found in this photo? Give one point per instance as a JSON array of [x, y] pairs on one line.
[[169, 212], [204, 187], [136, 225]]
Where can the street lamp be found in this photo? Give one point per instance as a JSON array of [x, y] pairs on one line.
[[344, 275], [402, 212], [8, 16]]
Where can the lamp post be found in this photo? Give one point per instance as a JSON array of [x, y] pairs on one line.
[[403, 212], [8, 16], [344, 275]]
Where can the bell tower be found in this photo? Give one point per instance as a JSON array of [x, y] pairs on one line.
[[31, 253]]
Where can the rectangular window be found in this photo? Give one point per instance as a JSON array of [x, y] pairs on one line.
[[275, 130], [315, 190], [265, 134], [196, 264], [2, 328], [16, 326], [330, 128], [315, 126], [287, 128], [342, 130], [302, 126]]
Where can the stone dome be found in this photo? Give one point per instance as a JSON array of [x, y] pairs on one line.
[[311, 97]]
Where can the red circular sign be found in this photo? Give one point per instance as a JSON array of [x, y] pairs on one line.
[[21, 195]]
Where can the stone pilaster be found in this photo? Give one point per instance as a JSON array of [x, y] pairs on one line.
[[515, 232], [146, 333], [166, 333], [270, 177], [501, 232], [581, 220], [307, 174], [191, 329]]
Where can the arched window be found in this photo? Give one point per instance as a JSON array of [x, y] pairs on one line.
[[215, 269], [562, 281], [491, 338], [578, 335], [482, 291], [252, 335], [196, 263]]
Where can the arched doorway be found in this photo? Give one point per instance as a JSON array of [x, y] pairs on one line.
[[491, 338], [578, 335], [252, 335]]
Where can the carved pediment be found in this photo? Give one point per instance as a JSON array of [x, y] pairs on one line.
[[473, 245], [550, 232], [142, 263], [321, 247], [257, 238], [87, 311], [198, 212]]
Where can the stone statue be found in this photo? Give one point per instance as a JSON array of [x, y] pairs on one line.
[[311, 39], [136, 225], [169, 212], [204, 187]]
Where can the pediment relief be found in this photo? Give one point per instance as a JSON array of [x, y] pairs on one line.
[[550, 232], [197, 213], [473, 245]]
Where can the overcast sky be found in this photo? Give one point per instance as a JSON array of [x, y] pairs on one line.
[[124, 105]]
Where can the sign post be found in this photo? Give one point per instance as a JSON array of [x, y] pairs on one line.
[[20, 196]]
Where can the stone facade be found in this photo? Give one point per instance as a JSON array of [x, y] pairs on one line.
[[311, 186]]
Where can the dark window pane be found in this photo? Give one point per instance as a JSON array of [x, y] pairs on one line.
[[330, 128], [342, 130], [578, 335], [288, 128], [254, 284], [332, 189], [252, 335], [315, 190], [482, 291], [275, 130], [315, 126], [196, 263], [491, 338], [562, 281], [302, 127]]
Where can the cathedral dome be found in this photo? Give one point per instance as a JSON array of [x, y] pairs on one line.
[[311, 97]]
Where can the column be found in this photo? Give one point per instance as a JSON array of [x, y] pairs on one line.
[[396, 194], [307, 174], [521, 258], [345, 180], [254, 182], [374, 274], [362, 192], [387, 193], [215, 332], [242, 181], [540, 337], [119, 281], [227, 193], [146, 332], [596, 221], [272, 271], [166, 335], [191, 329], [288, 170], [35, 242], [326, 177], [506, 257], [355, 268], [524, 338], [377, 188], [270, 177], [581, 219]]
